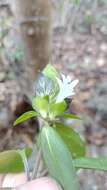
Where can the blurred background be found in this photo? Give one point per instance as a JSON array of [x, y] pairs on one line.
[[79, 49]]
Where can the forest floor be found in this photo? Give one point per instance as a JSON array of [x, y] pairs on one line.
[[82, 56], [85, 57]]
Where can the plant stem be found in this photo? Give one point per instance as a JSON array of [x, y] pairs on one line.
[[44, 173], [37, 164], [25, 163]]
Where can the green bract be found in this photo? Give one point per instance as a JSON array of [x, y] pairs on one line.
[[46, 86], [40, 104], [56, 109]]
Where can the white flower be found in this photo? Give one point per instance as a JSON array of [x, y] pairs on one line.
[[66, 86]]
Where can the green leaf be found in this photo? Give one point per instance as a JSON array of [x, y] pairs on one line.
[[25, 117], [91, 163], [72, 139], [11, 161], [40, 104], [58, 159], [57, 109], [50, 72], [70, 116]]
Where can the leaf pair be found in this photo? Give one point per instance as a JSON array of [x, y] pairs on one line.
[[48, 109], [45, 109]]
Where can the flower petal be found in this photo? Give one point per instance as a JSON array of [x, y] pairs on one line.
[[74, 83], [66, 87]]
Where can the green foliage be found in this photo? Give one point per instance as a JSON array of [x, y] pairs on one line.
[[46, 109], [70, 116], [58, 159], [57, 109], [72, 140], [62, 148], [91, 163], [50, 72], [11, 162], [40, 105], [25, 117]]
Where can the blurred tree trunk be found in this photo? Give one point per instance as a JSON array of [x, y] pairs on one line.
[[34, 19]]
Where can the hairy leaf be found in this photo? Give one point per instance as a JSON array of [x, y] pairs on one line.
[[52, 74], [44, 86]]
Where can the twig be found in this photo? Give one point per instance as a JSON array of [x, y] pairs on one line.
[[25, 163], [44, 173], [37, 165]]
